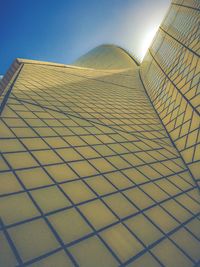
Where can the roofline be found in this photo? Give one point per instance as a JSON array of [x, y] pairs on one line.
[[48, 63], [129, 54], [113, 45], [18, 61]]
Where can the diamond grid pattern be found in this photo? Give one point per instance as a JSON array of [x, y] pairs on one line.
[[89, 174], [179, 75]]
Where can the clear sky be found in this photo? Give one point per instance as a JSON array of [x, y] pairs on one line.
[[63, 30]]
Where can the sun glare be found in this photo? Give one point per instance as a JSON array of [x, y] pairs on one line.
[[147, 40]]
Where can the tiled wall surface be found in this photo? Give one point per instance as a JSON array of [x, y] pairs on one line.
[[97, 169], [171, 75]]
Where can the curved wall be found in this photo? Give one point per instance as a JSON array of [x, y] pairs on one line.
[[88, 174], [106, 57], [171, 72]]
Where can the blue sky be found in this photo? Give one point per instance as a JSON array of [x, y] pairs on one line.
[[63, 30]]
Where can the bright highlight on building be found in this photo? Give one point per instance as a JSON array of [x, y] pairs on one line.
[[147, 41], [100, 159]]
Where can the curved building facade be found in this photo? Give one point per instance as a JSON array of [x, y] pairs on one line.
[[99, 160]]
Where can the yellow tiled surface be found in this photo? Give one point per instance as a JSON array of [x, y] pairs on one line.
[[89, 175], [171, 73]]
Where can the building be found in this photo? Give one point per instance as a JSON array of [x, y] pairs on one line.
[[99, 161]]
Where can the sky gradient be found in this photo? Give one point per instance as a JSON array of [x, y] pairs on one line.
[[63, 30]]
